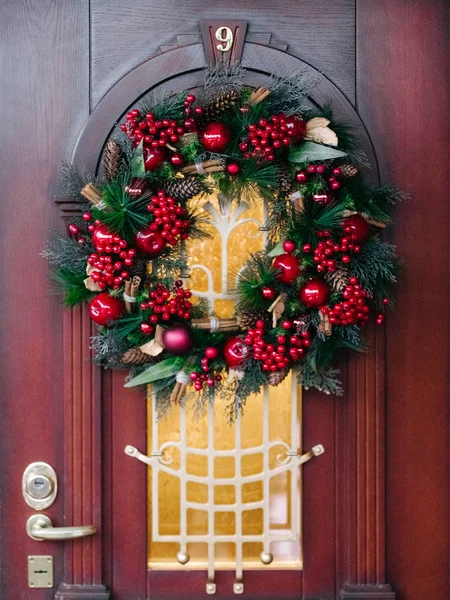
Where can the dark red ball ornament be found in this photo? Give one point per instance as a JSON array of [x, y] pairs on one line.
[[102, 237], [288, 267], [233, 169], [235, 352], [314, 293], [153, 157], [268, 292], [105, 308], [289, 246], [358, 228], [150, 242], [178, 340], [215, 137]]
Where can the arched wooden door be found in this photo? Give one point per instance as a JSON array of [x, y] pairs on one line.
[[342, 497]]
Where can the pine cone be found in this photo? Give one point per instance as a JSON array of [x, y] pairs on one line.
[[277, 377], [248, 320], [285, 177], [183, 189], [112, 159], [213, 109], [348, 170], [135, 356], [338, 280]]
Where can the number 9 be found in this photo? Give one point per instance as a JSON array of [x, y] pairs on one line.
[[224, 35]]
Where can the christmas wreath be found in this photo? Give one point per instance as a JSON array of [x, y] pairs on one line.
[[323, 273]]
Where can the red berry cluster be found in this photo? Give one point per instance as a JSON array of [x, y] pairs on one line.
[[303, 176], [112, 258], [326, 250], [354, 310], [170, 219], [199, 379], [272, 134], [165, 304], [156, 133], [277, 356]]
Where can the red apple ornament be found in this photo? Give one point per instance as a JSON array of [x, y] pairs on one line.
[[357, 227], [288, 267], [215, 137], [153, 157], [178, 340], [102, 237], [314, 293], [150, 242], [235, 352], [105, 308]]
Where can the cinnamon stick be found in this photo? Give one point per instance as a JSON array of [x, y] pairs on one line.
[[91, 193]]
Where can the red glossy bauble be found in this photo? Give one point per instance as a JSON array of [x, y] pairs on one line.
[[153, 157], [102, 237], [105, 308], [288, 267], [359, 228], [314, 293], [178, 340], [233, 169], [235, 352], [268, 293], [150, 242], [296, 127], [211, 352], [215, 137], [289, 246]]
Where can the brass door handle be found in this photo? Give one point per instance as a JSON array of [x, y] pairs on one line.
[[40, 527]]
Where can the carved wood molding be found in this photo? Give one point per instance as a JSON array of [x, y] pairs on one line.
[[82, 592], [367, 592]]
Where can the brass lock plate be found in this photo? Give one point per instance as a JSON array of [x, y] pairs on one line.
[[40, 571]]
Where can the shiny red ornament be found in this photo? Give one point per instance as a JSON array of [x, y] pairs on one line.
[[289, 246], [176, 159], [235, 352], [102, 237], [178, 340], [296, 127], [288, 267], [105, 308], [136, 187], [358, 228], [233, 169], [153, 157], [314, 293], [150, 242], [211, 353], [215, 137], [268, 293]]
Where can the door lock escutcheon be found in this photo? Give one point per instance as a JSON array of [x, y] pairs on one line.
[[39, 485]]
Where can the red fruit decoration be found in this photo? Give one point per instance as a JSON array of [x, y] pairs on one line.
[[150, 242], [295, 127], [357, 227], [269, 135], [102, 237], [314, 293], [288, 267], [170, 219], [353, 310], [211, 353], [289, 246], [178, 340], [165, 303], [268, 292], [233, 169], [215, 137], [105, 308], [153, 157], [235, 352]]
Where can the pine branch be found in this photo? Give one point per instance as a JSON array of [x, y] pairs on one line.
[[288, 92], [374, 262], [325, 380], [257, 273], [64, 252], [74, 179], [72, 284], [164, 104]]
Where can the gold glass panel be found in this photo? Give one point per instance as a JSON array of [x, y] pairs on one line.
[[243, 239]]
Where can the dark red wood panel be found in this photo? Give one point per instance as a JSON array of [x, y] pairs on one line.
[[43, 100], [403, 96]]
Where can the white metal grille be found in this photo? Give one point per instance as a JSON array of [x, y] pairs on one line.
[[287, 460]]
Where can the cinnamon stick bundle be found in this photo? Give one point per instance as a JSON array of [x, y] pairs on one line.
[[214, 324], [207, 166], [91, 193], [130, 293], [277, 308], [258, 95], [325, 326], [298, 202]]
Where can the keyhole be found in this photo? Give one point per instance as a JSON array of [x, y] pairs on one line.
[[39, 483]]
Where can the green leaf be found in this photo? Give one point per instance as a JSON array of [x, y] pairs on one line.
[[137, 165], [277, 250], [310, 151], [161, 370]]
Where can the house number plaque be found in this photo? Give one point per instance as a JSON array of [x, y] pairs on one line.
[[223, 41]]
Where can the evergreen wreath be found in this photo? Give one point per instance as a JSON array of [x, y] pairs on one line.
[[297, 303]]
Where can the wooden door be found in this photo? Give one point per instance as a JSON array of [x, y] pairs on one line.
[[68, 60]]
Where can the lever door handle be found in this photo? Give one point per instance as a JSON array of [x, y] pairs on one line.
[[40, 527]]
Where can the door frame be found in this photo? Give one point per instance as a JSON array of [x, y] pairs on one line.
[[92, 434]]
